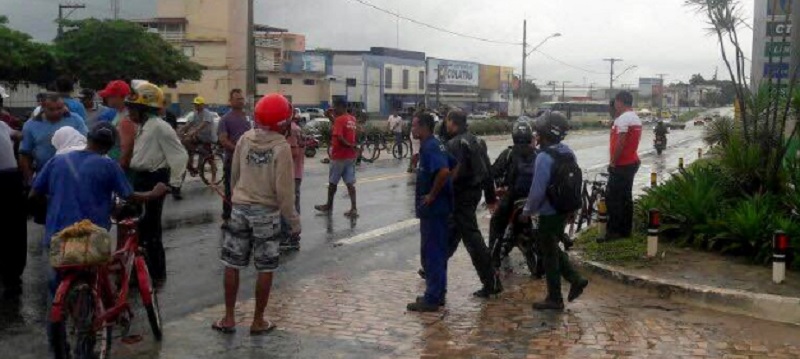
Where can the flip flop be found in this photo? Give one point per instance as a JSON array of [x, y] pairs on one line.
[[351, 214], [263, 331], [223, 329]]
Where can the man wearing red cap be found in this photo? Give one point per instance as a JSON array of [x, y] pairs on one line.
[[115, 94]]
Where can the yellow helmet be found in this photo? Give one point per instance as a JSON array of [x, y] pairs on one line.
[[199, 100], [146, 94]]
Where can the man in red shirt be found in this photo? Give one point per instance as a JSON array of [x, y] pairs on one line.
[[622, 168], [343, 158]]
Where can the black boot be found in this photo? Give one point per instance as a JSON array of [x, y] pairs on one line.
[[549, 304]]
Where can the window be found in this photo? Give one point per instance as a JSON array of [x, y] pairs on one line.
[[421, 80], [262, 79], [309, 82], [188, 51], [388, 78], [405, 79], [285, 81], [350, 82]]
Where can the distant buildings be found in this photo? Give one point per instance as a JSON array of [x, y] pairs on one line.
[[212, 33]]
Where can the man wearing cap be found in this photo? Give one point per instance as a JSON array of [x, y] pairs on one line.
[[198, 134], [117, 114], [93, 110], [80, 185]]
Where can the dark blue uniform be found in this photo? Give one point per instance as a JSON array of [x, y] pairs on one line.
[[433, 218]]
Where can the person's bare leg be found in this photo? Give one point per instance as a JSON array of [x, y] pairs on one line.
[[231, 290], [351, 191], [263, 288], [328, 206]]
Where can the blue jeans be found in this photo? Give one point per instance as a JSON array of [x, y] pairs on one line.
[[434, 235]]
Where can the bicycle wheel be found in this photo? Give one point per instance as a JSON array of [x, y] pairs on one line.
[[73, 334], [400, 150], [370, 151], [211, 169], [149, 298]]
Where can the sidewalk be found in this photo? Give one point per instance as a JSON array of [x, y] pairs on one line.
[[709, 280]]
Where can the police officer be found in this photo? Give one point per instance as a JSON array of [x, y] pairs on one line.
[[512, 170], [551, 130], [470, 177], [434, 204]]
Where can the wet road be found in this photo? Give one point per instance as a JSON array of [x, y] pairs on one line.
[[335, 248]]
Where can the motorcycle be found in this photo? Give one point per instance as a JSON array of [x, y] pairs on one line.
[[520, 234], [660, 143], [311, 143]]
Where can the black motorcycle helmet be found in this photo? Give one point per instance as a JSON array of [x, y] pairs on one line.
[[522, 133], [552, 126]]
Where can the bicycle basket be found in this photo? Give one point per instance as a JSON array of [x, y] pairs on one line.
[[81, 244]]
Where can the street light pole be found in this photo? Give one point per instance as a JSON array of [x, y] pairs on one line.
[[612, 61], [524, 56], [563, 90]]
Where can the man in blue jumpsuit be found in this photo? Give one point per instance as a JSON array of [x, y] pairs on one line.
[[434, 204]]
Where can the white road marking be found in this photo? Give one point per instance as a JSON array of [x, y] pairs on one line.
[[378, 232]]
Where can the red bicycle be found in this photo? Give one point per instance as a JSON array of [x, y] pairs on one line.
[[90, 300]]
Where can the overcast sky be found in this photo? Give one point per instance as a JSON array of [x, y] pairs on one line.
[[658, 36]]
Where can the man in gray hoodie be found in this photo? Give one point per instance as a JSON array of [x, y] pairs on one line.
[[262, 179]]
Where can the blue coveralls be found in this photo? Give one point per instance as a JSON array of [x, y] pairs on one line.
[[433, 218]]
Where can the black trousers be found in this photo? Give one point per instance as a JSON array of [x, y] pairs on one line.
[[556, 262], [619, 200], [150, 230], [464, 227], [13, 221]]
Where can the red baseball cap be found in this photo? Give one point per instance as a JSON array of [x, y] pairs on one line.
[[116, 88]]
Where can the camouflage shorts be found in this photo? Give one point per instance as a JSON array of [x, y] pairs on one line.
[[253, 230]]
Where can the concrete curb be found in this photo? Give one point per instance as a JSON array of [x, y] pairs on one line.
[[762, 306]]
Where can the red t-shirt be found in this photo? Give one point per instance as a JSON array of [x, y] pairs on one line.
[[345, 126], [630, 124]]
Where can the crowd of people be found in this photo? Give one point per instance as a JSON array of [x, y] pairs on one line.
[[70, 159], [454, 173]]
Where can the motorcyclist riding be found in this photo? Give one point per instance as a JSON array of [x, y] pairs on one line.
[[513, 170], [661, 130]]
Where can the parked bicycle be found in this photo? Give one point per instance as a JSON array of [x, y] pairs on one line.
[[591, 194], [91, 300], [209, 166]]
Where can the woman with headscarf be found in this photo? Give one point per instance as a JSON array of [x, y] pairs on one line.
[[67, 139]]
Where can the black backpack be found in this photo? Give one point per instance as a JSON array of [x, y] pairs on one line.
[[520, 173], [566, 181]]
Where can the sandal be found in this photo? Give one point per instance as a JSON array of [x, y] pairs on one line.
[[223, 329], [351, 213], [263, 331]]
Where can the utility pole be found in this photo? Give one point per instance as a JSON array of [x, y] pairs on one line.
[[438, 82], [524, 58], [115, 9], [251, 58], [661, 97], [61, 16], [563, 90], [612, 61]]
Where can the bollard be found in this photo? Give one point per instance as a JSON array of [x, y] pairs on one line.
[[780, 246], [699, 153], [680, 163], [602, 216], [652, 232], [653, 179]]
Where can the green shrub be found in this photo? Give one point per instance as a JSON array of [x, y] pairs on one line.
[[687, 202], [746, 227], [614, 252], [490, 127]]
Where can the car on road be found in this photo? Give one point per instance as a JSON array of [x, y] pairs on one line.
[[316, 123], [314, 112], [479, 115], [674, 125]]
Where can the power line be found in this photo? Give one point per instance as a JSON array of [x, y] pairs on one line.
[[434, 27], [569, 65]]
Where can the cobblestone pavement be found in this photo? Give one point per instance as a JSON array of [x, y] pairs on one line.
[[339, 316]]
